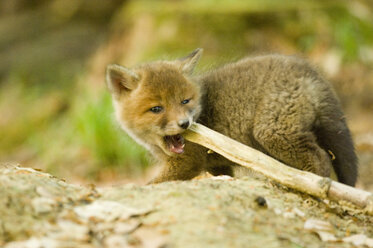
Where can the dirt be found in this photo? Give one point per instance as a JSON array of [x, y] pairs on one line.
[[39, 210]]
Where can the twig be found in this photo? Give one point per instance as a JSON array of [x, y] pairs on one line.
[[302, 181]]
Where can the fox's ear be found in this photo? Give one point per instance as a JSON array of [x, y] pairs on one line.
[[190, 61], [120, 79]]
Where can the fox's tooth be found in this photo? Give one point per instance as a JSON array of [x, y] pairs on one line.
[[183, 146]]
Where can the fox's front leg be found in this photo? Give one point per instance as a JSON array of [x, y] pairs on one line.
[[177, 171], [183, 166]]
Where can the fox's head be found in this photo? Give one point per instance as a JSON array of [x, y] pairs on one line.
[[156, 102]]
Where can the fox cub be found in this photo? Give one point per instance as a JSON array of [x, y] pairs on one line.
[[277, 104]]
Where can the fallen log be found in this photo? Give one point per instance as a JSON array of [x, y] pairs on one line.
[[302, 181]]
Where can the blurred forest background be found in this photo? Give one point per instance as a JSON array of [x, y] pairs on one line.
[[55, 111]]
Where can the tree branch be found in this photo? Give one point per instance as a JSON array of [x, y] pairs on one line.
[[302, 181]]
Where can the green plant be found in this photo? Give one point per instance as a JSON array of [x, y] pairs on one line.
[[97, 130]]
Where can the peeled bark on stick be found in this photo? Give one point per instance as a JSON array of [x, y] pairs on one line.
[[302, 181]]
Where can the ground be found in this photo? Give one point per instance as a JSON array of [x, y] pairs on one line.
[[39, 210]]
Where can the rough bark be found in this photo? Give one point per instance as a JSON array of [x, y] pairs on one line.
[[39, 210]]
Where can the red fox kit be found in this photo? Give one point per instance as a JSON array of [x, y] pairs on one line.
[[276, 104]]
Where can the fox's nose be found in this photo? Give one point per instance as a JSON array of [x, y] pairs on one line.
[[184, 124]]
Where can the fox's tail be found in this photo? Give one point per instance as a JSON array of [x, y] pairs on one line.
[[334, 137]]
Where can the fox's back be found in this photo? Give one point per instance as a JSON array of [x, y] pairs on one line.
[[235, 92]]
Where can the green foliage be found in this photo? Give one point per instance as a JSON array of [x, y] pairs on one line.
[[98, 131], [76, 134], [350, 33]]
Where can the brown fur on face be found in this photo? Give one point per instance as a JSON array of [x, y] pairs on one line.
[[277, 104], [160, 84]]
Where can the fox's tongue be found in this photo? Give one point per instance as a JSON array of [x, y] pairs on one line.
[[175, 143]]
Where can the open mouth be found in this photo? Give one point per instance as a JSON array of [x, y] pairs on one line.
[[175, 143]]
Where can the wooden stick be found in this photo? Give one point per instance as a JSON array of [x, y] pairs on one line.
[[302, 181]]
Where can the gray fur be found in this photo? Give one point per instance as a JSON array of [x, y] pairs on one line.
[[283, 107]]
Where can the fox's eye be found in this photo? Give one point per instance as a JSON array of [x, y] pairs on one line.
[[186, 101], [156, 109]]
